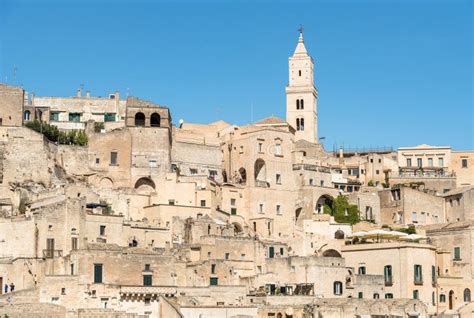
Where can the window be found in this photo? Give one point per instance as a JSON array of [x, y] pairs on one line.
[[360, 295], [63, 291], [97, 161], [226, 256], [109, 117], [260, 208], [376, 296], [433, 274], [213, 268], [203, 202], [232, 202], [74, 243], [441, 162], [260, 147], [433, 298], [212, 174], [377, 171], [278, 209], [139, 119], [419, 162], [54, 116], [193, 171], [409, 162], [311, 182], [300, 124], [442, 298], [241, 149], [337, 288], [387, 273], [322, 183], [464, 163], [297, 104], [97, 273], [74, 117], [457, 253], [430, 162], [213, 281], [113, 158], [278, 150], [155, 119], [362, 270], [242, 257], [299, 72], [171, 202], [282, 250], [102, 230], [388, 296], [233, 211], [414, 217], [416, 294], [152, 163], [278, 178], [418, 275], [147, 280], [302, 104], [467, 295], [147, 268]]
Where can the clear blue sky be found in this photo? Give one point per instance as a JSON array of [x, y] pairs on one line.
[[389, 73]]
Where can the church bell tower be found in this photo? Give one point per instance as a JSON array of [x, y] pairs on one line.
[[301, 94]]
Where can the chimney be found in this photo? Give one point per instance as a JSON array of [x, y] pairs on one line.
[[79, 92], [88, 94]]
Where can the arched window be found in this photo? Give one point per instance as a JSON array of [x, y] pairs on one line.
[[300, 124], [139, 119], [337, 288], [297, 124], [27, 115], [301, 104], [297, 104], [467, 295], [155, 120], [387, 273], [339, 235]]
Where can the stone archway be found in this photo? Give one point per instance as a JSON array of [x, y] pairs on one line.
[[106, 183], [323, 200], [331, 253], [145, 185]]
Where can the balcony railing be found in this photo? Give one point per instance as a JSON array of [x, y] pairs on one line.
[[52, 253]]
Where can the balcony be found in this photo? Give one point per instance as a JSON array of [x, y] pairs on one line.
[[52, 253], [310, 167]]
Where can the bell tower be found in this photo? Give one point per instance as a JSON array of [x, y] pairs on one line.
[[301, 94]]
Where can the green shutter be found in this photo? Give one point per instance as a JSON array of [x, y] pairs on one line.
[[97, 273], [457, 253]]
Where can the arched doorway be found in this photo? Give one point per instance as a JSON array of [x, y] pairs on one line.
[[237, 228], [324, 200], [139, 119], [260, 172], [145, 185], [27, 115], [106, 183], [339, 235], [155, 120], [451, 299]]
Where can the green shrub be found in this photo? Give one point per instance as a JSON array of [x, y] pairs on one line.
[[342, 211], [52, 133], [98, 126]]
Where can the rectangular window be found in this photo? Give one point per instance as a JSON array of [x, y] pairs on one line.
[[260, 208], [360, 295], [74, 243], [409, 162], [147, 267], [282, 250], [430, 162], [278, 178], [75, 117], [416, 294], [441, 162], [419, 162], [193, 171], [213, 268], [311, 182], [203, 203], [102, 230], [212, 174], [54, 116], [226, 256], [97, 273], [433, 274], [457, 253], [362, 270], [152, 163], [109, 117], [277, 150], [241, 149], [388, 296], [232, 202], [213, 281], [414, 217], [260, 147], [464, 163], [113, 158], [147, 280], [387, 273], [418, 274], [233, 211], [278, 209]]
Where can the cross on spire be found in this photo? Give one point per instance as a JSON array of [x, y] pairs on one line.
[[301, 29]]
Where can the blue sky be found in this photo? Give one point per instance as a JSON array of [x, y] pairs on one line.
[[389, 73]]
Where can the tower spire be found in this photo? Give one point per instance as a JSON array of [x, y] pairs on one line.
[[300, 48]]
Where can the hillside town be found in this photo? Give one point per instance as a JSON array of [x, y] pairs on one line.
[[109, 208]]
